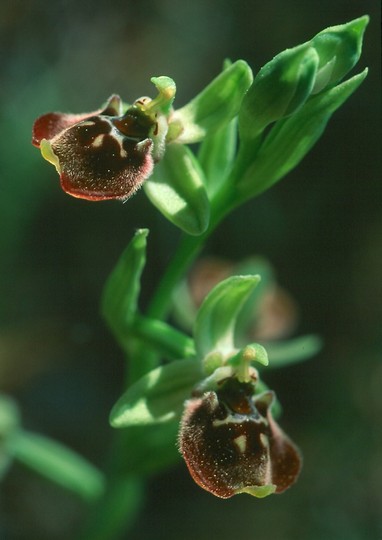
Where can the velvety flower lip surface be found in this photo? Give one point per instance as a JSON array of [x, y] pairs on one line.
[[100, 155], [49, 125], [231, 443]]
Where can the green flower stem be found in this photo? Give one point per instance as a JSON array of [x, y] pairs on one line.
[[188, 249], [116, 511], [163, 337]]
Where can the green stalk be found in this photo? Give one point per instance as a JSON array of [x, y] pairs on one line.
[[188, 249], [115, 511]]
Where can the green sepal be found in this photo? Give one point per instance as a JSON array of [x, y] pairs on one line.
[[280, 88], [158, 396], [214, 106], [216, 155], [120, 294], [216, 319], [57, 463], [177, 189], [292, 138], [293, 351], [339, 48]]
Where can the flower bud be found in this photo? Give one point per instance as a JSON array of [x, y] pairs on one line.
[[279, 89], [338, 48]]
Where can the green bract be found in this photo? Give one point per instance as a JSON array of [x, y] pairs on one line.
[[120, 295]]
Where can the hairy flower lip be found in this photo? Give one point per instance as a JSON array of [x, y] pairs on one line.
[[101, 155], [231, 443], [49, 125]]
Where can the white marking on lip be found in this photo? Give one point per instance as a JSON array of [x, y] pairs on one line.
[[264, 440], [241, 443], [98, 141], [116, 135], [229, 419]]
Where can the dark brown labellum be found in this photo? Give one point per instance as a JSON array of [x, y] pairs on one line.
[[232, 445], [100, 155]]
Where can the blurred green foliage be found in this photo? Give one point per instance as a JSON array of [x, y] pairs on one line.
[[321, 228]]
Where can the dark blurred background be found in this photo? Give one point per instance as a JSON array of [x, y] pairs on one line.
[[321, 229]]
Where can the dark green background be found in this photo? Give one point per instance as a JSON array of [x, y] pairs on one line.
[[321, 228]]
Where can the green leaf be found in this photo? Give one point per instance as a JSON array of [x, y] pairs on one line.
[[57, 463], [293, 351], [216, 155], [120, 295], [177, 189], [158, 396], [216, 318], [292, 138], [215, 106], [339, 48], [280, 88]]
